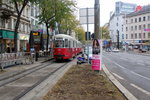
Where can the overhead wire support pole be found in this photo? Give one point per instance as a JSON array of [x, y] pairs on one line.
[[97, 20], [87, 35], [97, 33]]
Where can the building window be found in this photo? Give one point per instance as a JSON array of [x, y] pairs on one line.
[[139, 27], [131, 28], [9, 24], [148, 18], [144, 35], [117, 18], [144, 26], [149, 35], [32, 11], [14, 23], [144, 19], [126, 21], [148, 26], [135, 20], [27, 12], [139, 35], [135, 27], [131, 36], [131, 20], [139, 19], [126, 36], [23, 27], [117, 24], [122, 36], [2, 22], [135, 35], [126, 29]]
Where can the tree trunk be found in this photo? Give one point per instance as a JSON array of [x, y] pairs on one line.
[[16, 33], [47, 37], [59, 29], [19, 12]]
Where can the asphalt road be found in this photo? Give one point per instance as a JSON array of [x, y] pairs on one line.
[[131, 70]]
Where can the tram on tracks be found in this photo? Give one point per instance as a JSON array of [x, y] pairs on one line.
[[66, 47]]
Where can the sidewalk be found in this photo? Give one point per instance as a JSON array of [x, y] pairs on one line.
[[14, 69]]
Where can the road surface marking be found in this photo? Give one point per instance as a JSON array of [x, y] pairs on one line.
[[115, 63], [118, 76], [124, 58], [118, 65], [129, 70], [144, 91], [140, 75], [140, 63]]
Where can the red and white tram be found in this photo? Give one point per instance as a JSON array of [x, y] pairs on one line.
[[66, 47]]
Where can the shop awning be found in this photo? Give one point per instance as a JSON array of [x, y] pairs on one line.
[[7, 34]]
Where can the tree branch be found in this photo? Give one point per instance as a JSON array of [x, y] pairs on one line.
[[16, 6]]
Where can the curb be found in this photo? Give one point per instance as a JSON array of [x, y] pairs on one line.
[[124, 91]]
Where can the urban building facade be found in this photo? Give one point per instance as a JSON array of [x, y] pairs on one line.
[[8, 17], [29, 22], [137, 27], [116, 22]]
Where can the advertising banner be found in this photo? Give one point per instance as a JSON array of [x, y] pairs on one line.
[[96, 54]]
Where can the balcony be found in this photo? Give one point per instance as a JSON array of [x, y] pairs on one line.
[[5, 11]]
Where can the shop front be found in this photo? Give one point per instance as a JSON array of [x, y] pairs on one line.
[[6, 41], [24, 38]]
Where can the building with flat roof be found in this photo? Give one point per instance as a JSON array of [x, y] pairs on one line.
[[116, 22], [137, 27]]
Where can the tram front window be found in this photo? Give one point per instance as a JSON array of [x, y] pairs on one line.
[[59, 43]]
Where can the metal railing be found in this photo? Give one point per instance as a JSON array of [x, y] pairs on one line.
[[7, 59]]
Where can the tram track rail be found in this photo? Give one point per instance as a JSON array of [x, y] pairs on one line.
[[25, 82], [36, 84], [17, 73], [11, 78]]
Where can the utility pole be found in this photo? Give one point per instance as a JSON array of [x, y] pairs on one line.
[[118, 39], [87, 19], [97, 35], [97, 20]]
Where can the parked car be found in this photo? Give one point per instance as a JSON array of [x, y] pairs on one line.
[[143, 50], [115, 50]]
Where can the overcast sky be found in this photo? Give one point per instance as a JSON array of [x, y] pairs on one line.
[[106, 6]]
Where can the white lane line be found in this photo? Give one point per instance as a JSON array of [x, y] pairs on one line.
[[118, 76], [140, 75], [118, 65], [129, 70], [142, 90], [124, 58], [140, 63], [115, 63]]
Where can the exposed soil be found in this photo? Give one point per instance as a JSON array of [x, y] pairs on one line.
[[81, 83]]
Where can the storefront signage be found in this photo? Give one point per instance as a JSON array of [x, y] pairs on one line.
[[7, 34], [138, 8], [23, 37], [36, 33], [147, 30]]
